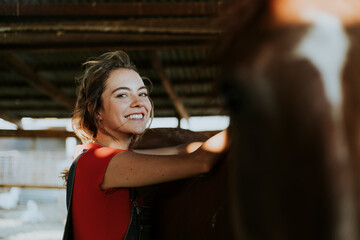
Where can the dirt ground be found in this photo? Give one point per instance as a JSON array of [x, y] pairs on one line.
[[54, 212]]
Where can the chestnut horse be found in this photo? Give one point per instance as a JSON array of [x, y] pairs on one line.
[[291, 79], [195, 208]]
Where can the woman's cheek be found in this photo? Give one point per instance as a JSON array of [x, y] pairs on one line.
[[148, 104]]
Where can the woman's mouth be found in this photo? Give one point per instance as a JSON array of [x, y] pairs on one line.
[[135, 116]]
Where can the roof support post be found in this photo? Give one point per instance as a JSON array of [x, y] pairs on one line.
[[37, 81], [179, 106], [7, 117]]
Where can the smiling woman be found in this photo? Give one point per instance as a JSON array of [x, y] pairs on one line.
[[112, 109], [126, 109], [104, 74]]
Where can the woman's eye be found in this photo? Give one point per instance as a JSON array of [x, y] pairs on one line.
[[143, 94], [121, 95]]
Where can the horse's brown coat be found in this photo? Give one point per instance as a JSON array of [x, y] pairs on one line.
[[285, 176], [194, 208], [302, 159]]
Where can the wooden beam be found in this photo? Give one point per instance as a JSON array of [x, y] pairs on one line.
[[145, 65], [197, 65], [193, 111], [40, 113], [90, 38], [126, 9], [14, 97], [24, 90], [36, 113], [130, 46], [30, 186], [75, 42], [204, 86], [163, 26], [179, 106], [33, 102], [37, 108], [195, 101], [38, 81], [46, 103], [36, 133], [186, 89], [7, 117]]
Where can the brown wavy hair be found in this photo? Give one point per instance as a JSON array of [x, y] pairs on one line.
[[91, 85]]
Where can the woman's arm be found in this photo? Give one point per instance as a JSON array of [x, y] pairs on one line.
[[179, 149], [132, 169]]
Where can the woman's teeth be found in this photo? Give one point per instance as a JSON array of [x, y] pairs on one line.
[[135, 116]]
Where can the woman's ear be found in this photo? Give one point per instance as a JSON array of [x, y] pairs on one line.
[[97, 114]]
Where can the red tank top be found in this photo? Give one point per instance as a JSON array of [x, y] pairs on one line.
[[98, 214]]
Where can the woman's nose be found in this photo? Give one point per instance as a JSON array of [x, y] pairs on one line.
[[136, 101]]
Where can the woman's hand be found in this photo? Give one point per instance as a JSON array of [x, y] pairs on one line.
[[217, 143], [209, 152]]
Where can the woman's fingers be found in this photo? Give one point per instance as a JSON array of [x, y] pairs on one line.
[[191, 147], [217, 143]]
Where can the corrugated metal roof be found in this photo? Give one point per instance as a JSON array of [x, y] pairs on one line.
[[57, 56], [98, 1]]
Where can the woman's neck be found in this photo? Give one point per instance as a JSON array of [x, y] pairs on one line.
[[106, 140]]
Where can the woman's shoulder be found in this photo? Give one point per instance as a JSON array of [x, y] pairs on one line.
[[95, 158], [79, 149], [93, 150], [91, 147]]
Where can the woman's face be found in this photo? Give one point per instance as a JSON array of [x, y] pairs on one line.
[[126, 107]]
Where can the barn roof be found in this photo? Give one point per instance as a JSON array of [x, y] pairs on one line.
[[43, 44]]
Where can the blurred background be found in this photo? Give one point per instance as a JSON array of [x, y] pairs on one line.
[[43, 44]]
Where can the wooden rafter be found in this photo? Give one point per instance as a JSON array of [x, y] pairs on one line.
[[17, 121], [126, 9], [99, 41], [17, 94], [51, 133], [35, 113], [37, 109], [160, 111], [179, 106], [163, 26], [36, 133], [44, 105], [29, 186], [38, 81], [128, 46], [193, 111], [57, 27], [88, 38], [145, 65]]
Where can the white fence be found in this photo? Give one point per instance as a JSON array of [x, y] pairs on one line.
[[33, 168]]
